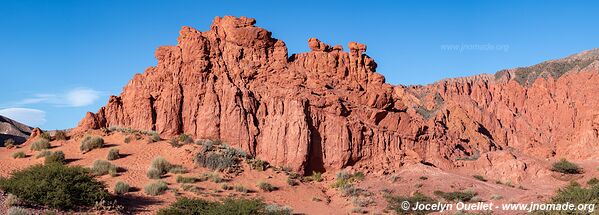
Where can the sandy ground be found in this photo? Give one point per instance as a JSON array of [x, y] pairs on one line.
[[306, 198]]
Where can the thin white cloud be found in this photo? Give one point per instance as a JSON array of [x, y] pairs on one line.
[[77, 97], [27, 116], [81, 97]]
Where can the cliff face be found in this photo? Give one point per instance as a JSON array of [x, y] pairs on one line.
[[327, 108]]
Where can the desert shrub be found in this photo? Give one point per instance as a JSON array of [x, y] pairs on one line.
[[343, 178], [18, 211], [461, 196], [127, 140], [154, 173], [161, 165], [278, 209], [56, 186], [174, 143], [55, 157], [358, 176], [228, 206], [40, 144], [479, 177], [154, 138], [593, 181], [11, 200], [185, 180], [43, 154], [18, 154], [156, 188], [316, 176], [102, 167], [351, 190], [212, 176], [574, 194], [226, 186], [113, 154], [496, 197], [395, 203], [566, 167], [423, 178], [216, 161], [89, 143], [266, 187], [240, 188], [257, 164], [362, 202], [60, 135], [176, 169], [185, 139], [292, 182], [9, 143], [46, 136], [121, 188]]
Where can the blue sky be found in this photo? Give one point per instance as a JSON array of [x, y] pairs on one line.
[[61, 59]]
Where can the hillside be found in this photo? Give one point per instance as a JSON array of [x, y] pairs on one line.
[[10, 129]]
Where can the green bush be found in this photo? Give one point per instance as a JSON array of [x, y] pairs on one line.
[[60, 135], [185, 139], [102, 167], [56, 186], [395, 203], [185, 180], [154, 173], [121, 188], [566, 167], [9, 143], [574, 194], [89, 143], [161, 165], [184, 206], [461, 196], [266, 187], [18, 154], [55, 157], [127, 140], [593, 181], [156, 188], [113, 154], [46, 136], [40, 144], [316, 176], [343, 178], [18, 211]]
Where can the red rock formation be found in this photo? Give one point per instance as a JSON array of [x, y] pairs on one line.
[[327, 108]]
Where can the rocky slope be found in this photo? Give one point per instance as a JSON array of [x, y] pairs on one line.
[[10, 129], [327, 108]]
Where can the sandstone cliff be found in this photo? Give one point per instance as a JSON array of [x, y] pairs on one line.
[[328, 108]]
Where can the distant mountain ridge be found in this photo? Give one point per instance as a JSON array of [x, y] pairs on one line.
[[11, 129]]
